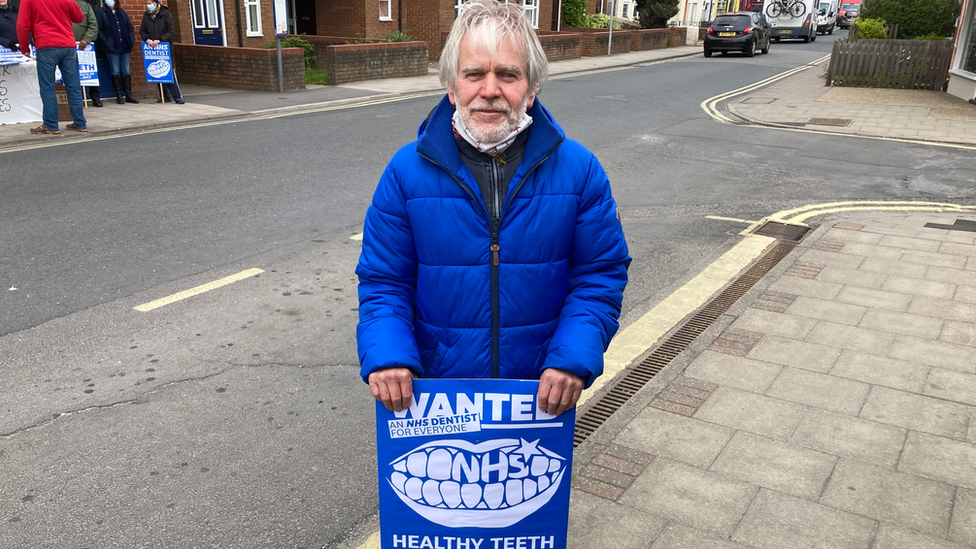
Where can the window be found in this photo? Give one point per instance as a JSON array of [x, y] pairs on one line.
[[626, 11], [968, 62], [252, 13], [531, 8], [385, 11], [458, 8]]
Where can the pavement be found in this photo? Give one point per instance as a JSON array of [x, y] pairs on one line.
[[832, 405]]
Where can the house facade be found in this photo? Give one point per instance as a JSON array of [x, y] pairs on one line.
[[962, 71], [250, 23]]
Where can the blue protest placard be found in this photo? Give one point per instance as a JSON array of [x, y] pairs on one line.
[[87, 66], [159, 65], [474, 464]]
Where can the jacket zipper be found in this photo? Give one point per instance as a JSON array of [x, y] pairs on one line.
[[494, 228]]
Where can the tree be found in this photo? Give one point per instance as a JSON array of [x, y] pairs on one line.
[[574, 14], [914, 17], [654, 14]]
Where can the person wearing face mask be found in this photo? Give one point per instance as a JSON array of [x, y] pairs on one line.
[[158, 26], [8, 25], [116, 36], [492, 247]]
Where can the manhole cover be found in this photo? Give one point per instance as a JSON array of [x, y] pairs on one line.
[[830, 121], [782, 231]]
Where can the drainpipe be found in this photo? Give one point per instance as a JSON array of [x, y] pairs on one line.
[[559, 17], [400, 15], [240, 30]]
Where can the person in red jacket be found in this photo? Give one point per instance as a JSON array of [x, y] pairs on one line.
[[47, 25]]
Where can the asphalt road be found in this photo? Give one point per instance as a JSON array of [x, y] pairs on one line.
[[236, 418]]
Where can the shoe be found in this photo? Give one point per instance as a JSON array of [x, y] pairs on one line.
[[42, 130], [130, 99], [73, 127], [179, 101], [96, 102], [127, 88]]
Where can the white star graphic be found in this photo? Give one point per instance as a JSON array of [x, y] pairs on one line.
[[528, 449]]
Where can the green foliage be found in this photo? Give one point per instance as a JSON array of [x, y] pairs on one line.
[[298, 42], [574, 14], [654, 14], [316, 76], [914, 17], [395, 36], [602, 21], [398, 36], [932, 36], [871, 29]]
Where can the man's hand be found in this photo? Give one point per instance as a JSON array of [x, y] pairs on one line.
[[82, 45], [152, 43], [393, 387], [559, 390]]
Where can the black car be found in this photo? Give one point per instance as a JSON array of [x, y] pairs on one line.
[[741, 31]]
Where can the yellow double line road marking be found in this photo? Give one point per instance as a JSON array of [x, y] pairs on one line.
[[146, 307], [799, 216], [710, 105]]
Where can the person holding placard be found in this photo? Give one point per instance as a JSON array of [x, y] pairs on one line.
[[158, 26], [49, 23], [492, 247], [116, 36], [85, 33]]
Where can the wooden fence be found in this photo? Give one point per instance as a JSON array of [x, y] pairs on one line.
[[903, 64]]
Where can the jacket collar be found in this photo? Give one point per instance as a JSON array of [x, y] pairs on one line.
[[435, 137]]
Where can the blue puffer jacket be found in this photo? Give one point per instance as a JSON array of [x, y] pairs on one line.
[[431, 295]]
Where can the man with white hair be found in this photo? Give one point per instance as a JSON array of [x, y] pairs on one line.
[[493, 247]]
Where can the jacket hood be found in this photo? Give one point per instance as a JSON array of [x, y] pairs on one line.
[[435, 137]]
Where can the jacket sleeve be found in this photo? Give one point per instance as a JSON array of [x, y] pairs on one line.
[[128, 28], [103, 37], [24, 26], [598, 274], [91, 25], [144, 28], [75, 13], [170, 31], [387, 273]]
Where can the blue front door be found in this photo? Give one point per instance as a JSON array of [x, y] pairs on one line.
[[208, 24]]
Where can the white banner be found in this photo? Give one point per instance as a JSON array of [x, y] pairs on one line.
[[20, 95]]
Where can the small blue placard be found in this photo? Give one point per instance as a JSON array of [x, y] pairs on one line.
[[159, 64], [474, 464]]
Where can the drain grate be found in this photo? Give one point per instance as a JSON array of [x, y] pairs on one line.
[[782, 231], [637, 375]]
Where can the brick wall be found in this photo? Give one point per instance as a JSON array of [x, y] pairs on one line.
[[594, 41], [240, 68], [355, 62], [559, 46], [341, 17], [649, 39]]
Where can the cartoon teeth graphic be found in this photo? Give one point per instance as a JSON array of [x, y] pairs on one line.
[[493, 484], [158, 69]]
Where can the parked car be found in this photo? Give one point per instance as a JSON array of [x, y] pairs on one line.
[[848, 13], [740, 31]]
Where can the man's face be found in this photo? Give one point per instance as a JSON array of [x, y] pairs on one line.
[[491, 94]]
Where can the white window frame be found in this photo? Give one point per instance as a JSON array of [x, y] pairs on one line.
[[458, 8], [389, 10], [253, 27], [531, 8], [625, 11]]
